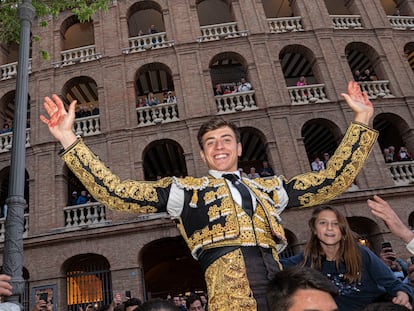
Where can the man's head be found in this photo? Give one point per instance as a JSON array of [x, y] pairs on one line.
[[131, 304], [176, 301], [194, 303], [220, 145], [301, 289]]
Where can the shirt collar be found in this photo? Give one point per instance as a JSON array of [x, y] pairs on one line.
[[218, 174]]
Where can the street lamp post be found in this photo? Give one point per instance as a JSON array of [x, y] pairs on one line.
[[13, 245]]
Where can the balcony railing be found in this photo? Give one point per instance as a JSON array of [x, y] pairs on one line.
[[3, 227], [148, 42], [156, 114], [6, 141], [9, 71], [346, 21], [239, 101], [402, 172], [84, 215], [308, 94], [87, 126], [376, 89], [79, 55], [285, 24], [402, 22], [220, 31]]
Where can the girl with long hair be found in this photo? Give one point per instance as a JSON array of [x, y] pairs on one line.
[[360, 276]]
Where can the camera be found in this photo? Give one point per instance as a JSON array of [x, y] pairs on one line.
[[128, 293], [44, 297]]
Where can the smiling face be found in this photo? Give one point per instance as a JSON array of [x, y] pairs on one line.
[[220, 149], [327, 229]]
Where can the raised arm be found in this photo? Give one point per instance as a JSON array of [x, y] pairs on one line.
[[383, 210], [358, 101], [60, 121]]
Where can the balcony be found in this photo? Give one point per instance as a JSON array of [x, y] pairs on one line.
[[3, 227], [87, 126], [9, 71], [376, 89], [308, 94], [79, 55], [401, 22], [285, 24], [220, 31], [346, 21], [402, 172], [156, 114], [6, 141], [84, 215], [239, 101], [148, 42]]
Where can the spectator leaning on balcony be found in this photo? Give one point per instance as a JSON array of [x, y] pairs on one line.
[[83, 198], [302, 81], [152, 100], [366, 76], [357, 75], [218, 90], [244, 86], [231, 225], [6, 128], [404, 155]]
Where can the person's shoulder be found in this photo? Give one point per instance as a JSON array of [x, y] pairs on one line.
[[196, 183]]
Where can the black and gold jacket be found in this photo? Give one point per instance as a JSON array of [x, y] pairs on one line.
[[209, 216]]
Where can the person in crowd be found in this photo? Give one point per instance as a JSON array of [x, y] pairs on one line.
[[252, 173], [152, 100], [42, 305], [317, 165], [300, 289], [218, 90], [392, 153], [152, 29], [6, 128], [82, 198], [203, 298], [357, 75], [171, 98], [227, 90], [131, 304], [244, 86], [404, 155], [213, 208], [326, 158], [266, 170], [94, 110], [301, 81], [366, 76], [360, 276], [178, 304], [388, 157], [73, 198], [410, 273], [389, 257], [141, 103], [157, 305], [383, 210], [141, 33], [194, 303], [183, 301]]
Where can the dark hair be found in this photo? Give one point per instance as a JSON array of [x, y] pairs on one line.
[[214, 124], [384, 306], [191, 299], [285, 284], [348, 252], [157, 304]]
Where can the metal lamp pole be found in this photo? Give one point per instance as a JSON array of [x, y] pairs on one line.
[[13, 245]]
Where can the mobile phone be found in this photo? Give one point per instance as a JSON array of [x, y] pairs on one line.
[[387, 245], [128, 293], [412, 259], [43, 296]]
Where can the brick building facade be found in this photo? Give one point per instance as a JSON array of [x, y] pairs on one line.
[[110, 65]]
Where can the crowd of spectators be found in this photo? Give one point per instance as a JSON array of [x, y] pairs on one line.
[[363, 76], [81, 197], [319, 165], [229, 88], [265, 171], [84, 111], [6, 128], [152, 100], [391, 156]]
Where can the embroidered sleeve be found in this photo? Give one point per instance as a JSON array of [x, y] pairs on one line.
[[107, 188], [319, 187]]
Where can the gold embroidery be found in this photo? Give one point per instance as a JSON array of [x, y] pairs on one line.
[[356, 145], [227, 284], [125, 195]]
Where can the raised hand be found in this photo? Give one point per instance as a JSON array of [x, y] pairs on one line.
[[5, 287], [359, 103], [60, 121]]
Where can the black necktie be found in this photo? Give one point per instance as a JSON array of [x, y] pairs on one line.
[[247, 204]]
